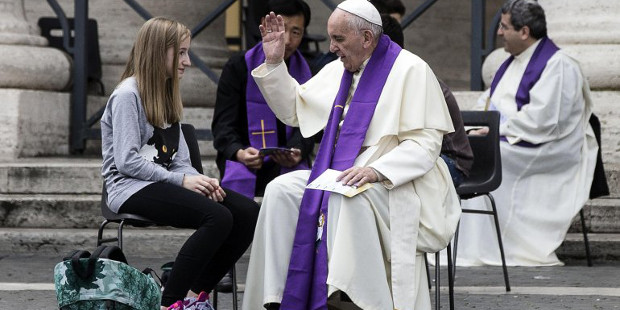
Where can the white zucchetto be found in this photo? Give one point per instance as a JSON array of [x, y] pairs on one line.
[[363, 9]]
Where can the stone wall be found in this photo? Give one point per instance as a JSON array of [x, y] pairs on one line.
[[118, 24]]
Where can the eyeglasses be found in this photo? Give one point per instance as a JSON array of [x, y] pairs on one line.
[[504, 27]]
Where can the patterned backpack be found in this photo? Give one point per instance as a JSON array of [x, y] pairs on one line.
[[104, 281]]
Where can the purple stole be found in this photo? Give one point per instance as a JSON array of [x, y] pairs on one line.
[[545, 49], [262, 123], [306, 286]]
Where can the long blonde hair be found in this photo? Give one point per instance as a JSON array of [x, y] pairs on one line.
[[160, 94]]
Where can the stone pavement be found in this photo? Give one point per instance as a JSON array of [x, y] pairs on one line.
[[26, 283]]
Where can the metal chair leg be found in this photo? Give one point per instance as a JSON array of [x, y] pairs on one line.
[[120, 234], [100, 232], [456, 244], [428, 275], [437, 282], [585, 238], [214, 299], [234, 291], [499, 240], [450, 276], [234, 287]]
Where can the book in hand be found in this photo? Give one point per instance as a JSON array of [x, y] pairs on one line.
[[327, 182], [270, 150]]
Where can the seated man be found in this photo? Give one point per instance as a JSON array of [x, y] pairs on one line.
[[455, 148], [384, 117], [242, 121], [548, 147]]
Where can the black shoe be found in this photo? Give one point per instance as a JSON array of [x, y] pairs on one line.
[[272, 306], [225, 284]]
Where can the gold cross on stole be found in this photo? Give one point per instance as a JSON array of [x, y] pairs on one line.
[[263, 132]]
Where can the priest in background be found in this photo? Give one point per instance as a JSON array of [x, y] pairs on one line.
[[384, 117], [548, 147]]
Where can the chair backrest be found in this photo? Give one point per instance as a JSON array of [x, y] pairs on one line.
[[49, 26], [189, 132], [486, 172]]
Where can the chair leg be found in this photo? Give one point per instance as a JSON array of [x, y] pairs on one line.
[[456, 244], [234, 287], [100, 232], [499, 240], [585, 238], [450, 276], [120, 234], [437, 281], [215, 298], [428, 275]]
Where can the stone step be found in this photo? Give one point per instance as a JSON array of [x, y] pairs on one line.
[[165, 243], [602, 215], [144, 242], [603, 247], [79, 175], [61, 175]]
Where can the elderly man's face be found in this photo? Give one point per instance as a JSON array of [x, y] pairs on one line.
[[346, 42]]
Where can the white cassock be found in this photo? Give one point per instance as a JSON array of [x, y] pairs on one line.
[[375, 239], [543, 187]]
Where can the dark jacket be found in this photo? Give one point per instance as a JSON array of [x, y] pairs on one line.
[[230, 125]]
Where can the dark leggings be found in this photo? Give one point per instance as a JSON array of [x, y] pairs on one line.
[[223, 233]]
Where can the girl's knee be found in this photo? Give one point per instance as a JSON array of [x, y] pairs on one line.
[[222, 218]]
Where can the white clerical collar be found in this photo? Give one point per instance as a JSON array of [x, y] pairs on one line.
[[528, 52], [362, 66]]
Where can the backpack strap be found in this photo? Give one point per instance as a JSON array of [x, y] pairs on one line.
[[110, 252], [79, 253], [154, 275], [84, 274]]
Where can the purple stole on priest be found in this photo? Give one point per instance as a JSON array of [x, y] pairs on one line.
[[306, 286], [262, 122], [543, 52]]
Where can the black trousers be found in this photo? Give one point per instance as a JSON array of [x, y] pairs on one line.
[[223, 233]]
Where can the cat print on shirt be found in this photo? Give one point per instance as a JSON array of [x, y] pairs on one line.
[[163, 145]]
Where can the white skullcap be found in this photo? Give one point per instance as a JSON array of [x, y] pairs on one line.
[[363, 9]]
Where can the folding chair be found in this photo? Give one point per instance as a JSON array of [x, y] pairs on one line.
[[123, 219], [486, 173]]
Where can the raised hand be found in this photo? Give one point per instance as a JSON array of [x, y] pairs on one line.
[[272, 32]]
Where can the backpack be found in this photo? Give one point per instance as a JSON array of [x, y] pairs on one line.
[[104, 281]]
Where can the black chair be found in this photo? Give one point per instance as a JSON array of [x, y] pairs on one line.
[[51, 25], [123, 219], [486, 173]]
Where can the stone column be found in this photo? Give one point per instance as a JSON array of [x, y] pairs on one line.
[[25, 62], [32, 122], [588, 30]]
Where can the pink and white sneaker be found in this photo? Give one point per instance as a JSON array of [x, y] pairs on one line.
[[197, 303]]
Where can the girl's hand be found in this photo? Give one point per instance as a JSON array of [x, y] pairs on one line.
[[201, 184]]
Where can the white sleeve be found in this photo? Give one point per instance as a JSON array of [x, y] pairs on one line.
[[411, 159]]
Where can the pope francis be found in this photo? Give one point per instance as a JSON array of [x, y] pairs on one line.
[[384, 116]]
